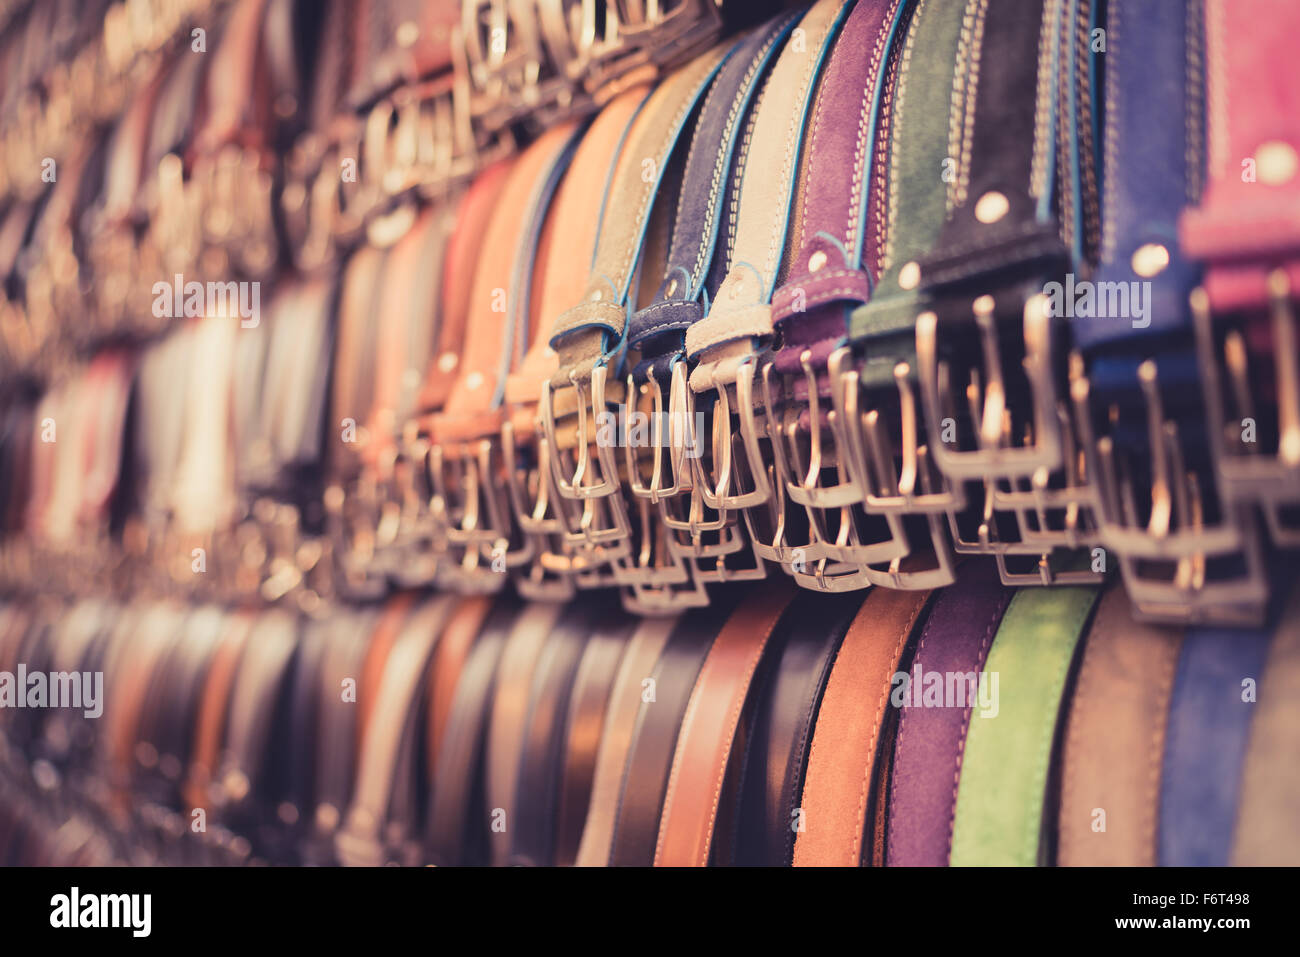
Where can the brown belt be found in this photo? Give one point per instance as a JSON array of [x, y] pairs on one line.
[[448, 661], [510, 714], [637, 665], [588, 713], [704, 745], [1115, 739], [843, 766]]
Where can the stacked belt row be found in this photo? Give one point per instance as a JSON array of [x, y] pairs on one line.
[[825, 260], [144, 138], [976, 724]]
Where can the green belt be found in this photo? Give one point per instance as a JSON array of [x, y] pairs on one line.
[[1004, 769]]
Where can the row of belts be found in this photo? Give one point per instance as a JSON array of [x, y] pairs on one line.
[[974, 724]]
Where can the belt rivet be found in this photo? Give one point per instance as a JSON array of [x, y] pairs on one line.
[[991, 207], [816, 261], [1150, 259], [473, 380], [595, 296], [736, 290], [1276, 162], [447, 361], [909, 275], [672, 287]]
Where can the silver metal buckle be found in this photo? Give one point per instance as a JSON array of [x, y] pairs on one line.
[[1174, 535], [1248, 475], [602, 528], [993, 458]]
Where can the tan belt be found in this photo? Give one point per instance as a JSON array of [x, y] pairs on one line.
[[638, 664], [708, 731]]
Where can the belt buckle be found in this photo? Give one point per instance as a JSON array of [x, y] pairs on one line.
[[993, 458], [840, 560], [602, 528], [475, 519], [1174, 533], [415, 557], [718, 495], [546, 577], [1246, 475], [351, 523]]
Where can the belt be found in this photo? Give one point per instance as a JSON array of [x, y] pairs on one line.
[[1110, 778], [931, 735], [658, 331], [1244, 233], [449, 659], [214, 699], [303, 729], [707, 739], [338, 733], [845, 758], [1022, 211], [247, 764], [589, 710], [465, 246], [457, 831], [1210, 715], [649, 763], [834, 252], [590, 336], [372, 834], [881, 332], [508, 723], [722, 343], [1267, 829], [462, 465], [629, 685], [532, 833], [770, 813], [1139, 399], [1001, 794], [573, 225]]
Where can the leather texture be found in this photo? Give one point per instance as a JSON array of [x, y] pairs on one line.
[[1002, 792], [708, 732], [931, 738], [1214, 699], [1267, 828], [844, 761], [1115, 735], [638, 662], [740, 312]]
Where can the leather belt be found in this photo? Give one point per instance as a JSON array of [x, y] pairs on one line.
[[901, 481], [833, 254], [590, 337], [532, 833], [1022, 212], [573, 225], [449, 659], [1001, 795], [639, 659], [1244, 232], [658, 330], [457, 831], [846, 754], [931, 735], [1267, 830], [1210, 715], [462, 466], [722, 343], [589, 701], [371, 835], [508, 724], [770, 814], [707, 739], [1113, 740], [654, 737], [1139, 400]]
